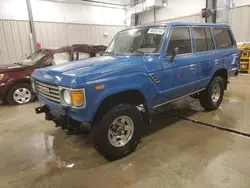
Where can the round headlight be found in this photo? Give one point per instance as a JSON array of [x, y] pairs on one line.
[[67, 97]]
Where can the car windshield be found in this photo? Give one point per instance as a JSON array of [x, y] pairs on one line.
[[33, 58], [143, 41]]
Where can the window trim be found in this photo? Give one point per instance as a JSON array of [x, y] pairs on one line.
[[215, 47], [191, 39], [230, 34]]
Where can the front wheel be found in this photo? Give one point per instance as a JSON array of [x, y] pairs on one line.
[[212, 96], [20, 94], [119, 132]]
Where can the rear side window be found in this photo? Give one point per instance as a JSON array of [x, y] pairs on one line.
[[180, 37], [203, 39], [223, 38], [83, 55], [61, 57]]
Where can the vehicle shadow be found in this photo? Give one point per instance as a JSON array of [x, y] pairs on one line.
[[80, 149], [167, 115]]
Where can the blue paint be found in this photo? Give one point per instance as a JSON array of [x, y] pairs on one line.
[[186, 74]]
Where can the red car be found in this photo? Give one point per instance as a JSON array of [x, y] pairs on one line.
[[15, 85]]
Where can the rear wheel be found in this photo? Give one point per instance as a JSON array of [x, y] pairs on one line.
[[212, 96], [119, 132], [20, 94]]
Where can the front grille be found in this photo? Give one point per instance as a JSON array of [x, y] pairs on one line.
[[50, 92]]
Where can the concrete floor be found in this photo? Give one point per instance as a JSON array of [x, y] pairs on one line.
[[173, 153]]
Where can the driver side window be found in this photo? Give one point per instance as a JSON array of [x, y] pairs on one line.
[[180, 38]]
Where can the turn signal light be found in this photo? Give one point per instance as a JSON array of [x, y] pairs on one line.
[[78, 98]]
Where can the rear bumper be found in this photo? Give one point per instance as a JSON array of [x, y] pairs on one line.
[[233, 72]]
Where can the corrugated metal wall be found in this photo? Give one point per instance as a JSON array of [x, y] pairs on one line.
[[239, 21], [60, 34], [15, 39]]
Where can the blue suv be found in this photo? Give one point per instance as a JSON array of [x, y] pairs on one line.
[[146, 66]]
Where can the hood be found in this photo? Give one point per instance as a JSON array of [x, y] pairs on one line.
[[11, 67], [90, 69]]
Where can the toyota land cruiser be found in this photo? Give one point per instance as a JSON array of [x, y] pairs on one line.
[[147, 66]]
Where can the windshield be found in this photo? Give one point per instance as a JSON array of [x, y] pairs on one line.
[[142, 41], [33, 58]]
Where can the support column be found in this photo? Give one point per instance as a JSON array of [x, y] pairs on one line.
[[211, 4], [223, 11], [32, 27]]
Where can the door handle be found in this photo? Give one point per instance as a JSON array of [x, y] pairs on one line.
[[192, 65]]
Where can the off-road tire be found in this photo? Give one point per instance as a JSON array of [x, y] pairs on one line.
[[206, 95], [100, 132]]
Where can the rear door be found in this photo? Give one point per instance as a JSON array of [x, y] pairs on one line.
[[179, 76], [227, 48], [206, 54]]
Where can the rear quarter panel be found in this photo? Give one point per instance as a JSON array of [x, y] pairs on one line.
[[217, 59]]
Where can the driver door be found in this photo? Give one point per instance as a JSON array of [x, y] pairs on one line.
[[179, 75]]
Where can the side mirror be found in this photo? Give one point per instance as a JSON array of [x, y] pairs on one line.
[[174, 53]]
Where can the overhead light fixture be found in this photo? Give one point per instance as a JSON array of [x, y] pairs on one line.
[[164, 3]]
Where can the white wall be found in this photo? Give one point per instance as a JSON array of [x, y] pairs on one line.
[[74, 12], [240, 2], [181, 8], [84, 13], [13, 10], [57, 24], [174, 9]]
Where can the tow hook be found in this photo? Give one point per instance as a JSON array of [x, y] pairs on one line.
[[71, 126], [42, 109]]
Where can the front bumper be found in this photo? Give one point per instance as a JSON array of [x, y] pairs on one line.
[[59, 111], [3, 90]]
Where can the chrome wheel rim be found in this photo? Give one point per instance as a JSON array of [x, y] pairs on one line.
[[215, 93], [121, 131], [22, 95]]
